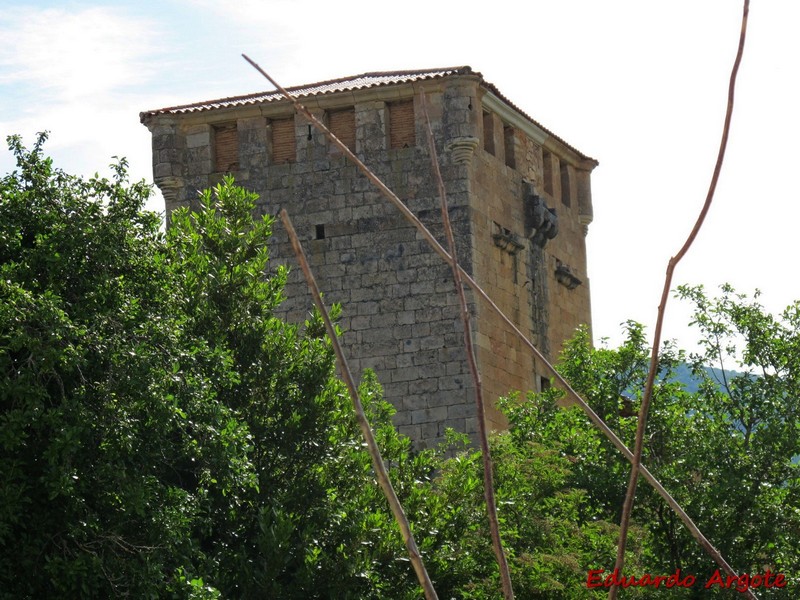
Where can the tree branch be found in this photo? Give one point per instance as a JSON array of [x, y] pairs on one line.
[[627, 507], [571, 394], [375, 453], [488, 468]]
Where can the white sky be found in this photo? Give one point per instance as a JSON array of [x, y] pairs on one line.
[[640, 86]]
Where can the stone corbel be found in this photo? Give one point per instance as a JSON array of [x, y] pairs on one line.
[[585, 221], [170, 186], [462, 149], [541, 222], [508, 241], [566, 277]]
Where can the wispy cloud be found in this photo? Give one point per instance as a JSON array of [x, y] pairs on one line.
[[74, 54], [83, 74]]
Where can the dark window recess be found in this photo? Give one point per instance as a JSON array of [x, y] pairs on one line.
[[508, 140], [319, 233], [342, 124], [547, 172], [402, 130], [488, 132], [566, 192], [226, 148], [283, 141], [544, 383]]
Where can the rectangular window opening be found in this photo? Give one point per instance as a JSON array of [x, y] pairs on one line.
[[402, 129], [547, 172], [319, 233], [566, 192], [488, 132], [508, 140], [226, 148], [342, 124], [283, 141]]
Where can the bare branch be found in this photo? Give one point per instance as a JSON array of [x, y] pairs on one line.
[[644, 409], [363, 423], [488, 469], [571, 394]]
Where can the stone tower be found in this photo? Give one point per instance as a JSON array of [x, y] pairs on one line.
[[520, 203]]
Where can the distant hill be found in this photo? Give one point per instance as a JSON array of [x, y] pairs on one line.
[[692, 382]]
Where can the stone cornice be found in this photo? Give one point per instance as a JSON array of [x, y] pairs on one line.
[[513, 118]]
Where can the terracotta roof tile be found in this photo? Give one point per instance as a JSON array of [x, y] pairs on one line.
[[343, 84]]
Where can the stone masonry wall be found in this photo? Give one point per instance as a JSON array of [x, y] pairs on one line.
[[517, 273], [502, 253], [400, 315]]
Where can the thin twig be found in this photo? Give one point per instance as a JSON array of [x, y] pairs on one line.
[[488, 468], [479, 291], [363, 423], [644, 409]]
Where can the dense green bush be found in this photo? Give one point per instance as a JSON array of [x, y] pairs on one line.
[[164, 434], [159, 425]]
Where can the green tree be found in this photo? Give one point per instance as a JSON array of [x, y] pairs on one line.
[[552, 533], [748, 421], [84, 417], [162, 432], [727, 453]]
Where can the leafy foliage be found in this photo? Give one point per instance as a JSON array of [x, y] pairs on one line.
[[551, 532], [164, 434], [161, 424], [174, 438], [727, 453]]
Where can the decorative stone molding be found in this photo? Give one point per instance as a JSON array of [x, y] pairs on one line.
[[566, 277], [508, 241], [585, 210], [585, 221], [170, 187], [462, 149], [541, 222]]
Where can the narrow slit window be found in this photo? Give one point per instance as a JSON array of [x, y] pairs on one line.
[[488, 132], [508, 140], [319, 233], [402, 131], [547, 172], [566, 191]]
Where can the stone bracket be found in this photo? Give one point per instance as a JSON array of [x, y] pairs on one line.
[[541, 221], [566, 277], [462, 149]]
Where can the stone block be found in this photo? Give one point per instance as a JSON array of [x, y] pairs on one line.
[[401, 332], [414, 402], [431, 431], [423, 386], [395, 391], [429, 415], [460, 411], [410, 431], [198, 140]]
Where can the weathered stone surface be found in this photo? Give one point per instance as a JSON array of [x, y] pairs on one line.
[[401, 316]]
